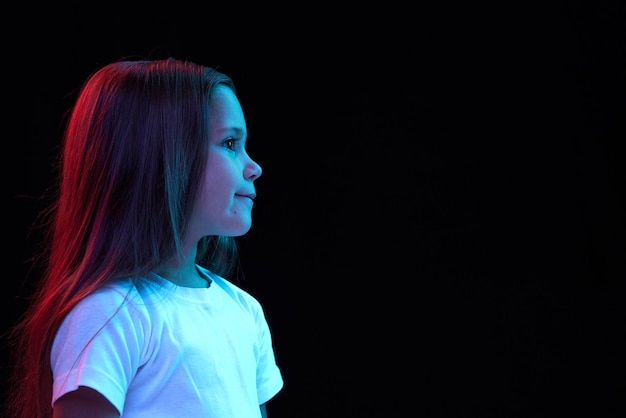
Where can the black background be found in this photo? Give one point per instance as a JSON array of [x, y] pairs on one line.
[[439, 230]]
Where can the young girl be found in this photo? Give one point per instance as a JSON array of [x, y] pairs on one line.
[[134, 316]]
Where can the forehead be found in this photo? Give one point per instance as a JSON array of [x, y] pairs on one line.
[[225, 112], [223, 102]]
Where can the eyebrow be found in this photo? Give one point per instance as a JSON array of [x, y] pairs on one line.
[[235, 129]]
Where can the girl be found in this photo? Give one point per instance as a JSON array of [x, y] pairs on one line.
[[134, 316]]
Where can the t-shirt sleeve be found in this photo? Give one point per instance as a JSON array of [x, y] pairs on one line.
[[269, 377], [98, 345]]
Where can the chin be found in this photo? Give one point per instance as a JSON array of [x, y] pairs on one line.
[[236, 224], [242, 230]]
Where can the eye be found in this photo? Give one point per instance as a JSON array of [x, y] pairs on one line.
[[230, 144]]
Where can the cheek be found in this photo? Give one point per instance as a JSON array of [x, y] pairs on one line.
[[216, 195]]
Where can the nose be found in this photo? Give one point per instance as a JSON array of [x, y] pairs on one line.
[[252, 170]]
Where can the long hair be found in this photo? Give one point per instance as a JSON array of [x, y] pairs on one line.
[[132, 156]]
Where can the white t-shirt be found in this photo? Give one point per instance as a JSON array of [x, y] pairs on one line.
[[155, 349]]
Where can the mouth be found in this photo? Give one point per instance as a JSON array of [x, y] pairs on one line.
[[250, 196]]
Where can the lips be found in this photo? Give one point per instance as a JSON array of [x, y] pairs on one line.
[[250, 196]]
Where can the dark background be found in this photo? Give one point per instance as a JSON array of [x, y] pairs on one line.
[[439, 230]]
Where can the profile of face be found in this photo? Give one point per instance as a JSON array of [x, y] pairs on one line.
[[227, 192]]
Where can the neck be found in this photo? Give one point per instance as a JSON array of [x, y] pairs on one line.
[[182, 271]]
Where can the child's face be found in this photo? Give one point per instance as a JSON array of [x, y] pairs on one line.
[[225, 202]]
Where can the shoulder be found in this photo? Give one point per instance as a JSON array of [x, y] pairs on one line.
[[120, 314], [239, 295], [106, 300], [122, 301]]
